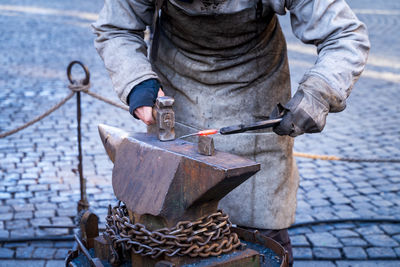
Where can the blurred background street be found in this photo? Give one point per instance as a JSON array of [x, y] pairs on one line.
[[39, 38]]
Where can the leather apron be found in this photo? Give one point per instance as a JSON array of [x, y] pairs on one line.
[[230, 68]]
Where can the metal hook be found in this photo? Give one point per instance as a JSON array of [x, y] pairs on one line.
[[86, 80]]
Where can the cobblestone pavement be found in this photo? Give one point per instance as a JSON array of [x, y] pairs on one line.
[[39, 38]]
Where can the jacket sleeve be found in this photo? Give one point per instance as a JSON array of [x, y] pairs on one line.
[[120, 42], [342, 45]]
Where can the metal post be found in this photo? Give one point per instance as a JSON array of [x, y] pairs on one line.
[[83, 204], [77, 87]]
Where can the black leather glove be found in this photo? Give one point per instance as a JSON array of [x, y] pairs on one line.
[[143, 94], [306, 112]]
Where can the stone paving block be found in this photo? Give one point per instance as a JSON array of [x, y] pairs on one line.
[[16, 224], [4, 233], [320, 216], [59, 199], [17, 233], [61, 253], [388, 188], [369, 263], [367, 190], [322, 227], [44, 213], [369, 230], [343, 207], [353, 241], [15, 244], [391, 228], [69, 205], [339, 200], [23, 207], [6, 216], [64, 244], [397, 251], [4, 209], [299, 230], [382, 203], [24, 252], [58, 187], [344, 214], [318, 202], [299, 240], [14, 201], [314, 264], [66, 212], [42, 244], [381, 253], [354, 253], [368, 213], [302, 253], [326, 253], [5, 195], [23, 215], [381, 241], [344, 233], [51, 231], [38, 187], [62, 221], [55, 263], [349, 192], [39, 221], [359, 198], [363, 206], [302, 218], [43, 253], [344, 225], [18, 188], [324, 240], [37, 199], [46, 206], [22, 263], [6, 253], [27, 182]]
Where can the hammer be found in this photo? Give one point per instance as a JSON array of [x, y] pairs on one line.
[[165, 118]]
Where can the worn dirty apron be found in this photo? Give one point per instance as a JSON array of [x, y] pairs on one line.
[[225, 69]]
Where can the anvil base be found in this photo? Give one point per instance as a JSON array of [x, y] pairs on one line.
[[247, 257]]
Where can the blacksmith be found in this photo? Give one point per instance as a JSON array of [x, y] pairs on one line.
[[224, 62]]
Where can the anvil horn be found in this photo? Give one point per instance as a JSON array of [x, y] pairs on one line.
[[111, 137]]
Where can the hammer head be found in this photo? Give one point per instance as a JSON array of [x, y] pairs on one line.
[[165, 118]]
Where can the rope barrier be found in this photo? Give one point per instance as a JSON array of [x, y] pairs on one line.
[[335, 158], [84, 86], [38, 118]]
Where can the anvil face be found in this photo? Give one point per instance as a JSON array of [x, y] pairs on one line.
[[170, 180]]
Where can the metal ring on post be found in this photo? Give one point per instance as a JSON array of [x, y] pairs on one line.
[[84, 67]]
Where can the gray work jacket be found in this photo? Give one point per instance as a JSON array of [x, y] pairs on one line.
[[224, 63]]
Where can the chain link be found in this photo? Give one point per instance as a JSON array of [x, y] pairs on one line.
[[210, 235]]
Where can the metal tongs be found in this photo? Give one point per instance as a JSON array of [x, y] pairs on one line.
[[240, 128]]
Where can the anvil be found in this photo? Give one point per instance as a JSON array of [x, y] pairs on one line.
[[163, 183]]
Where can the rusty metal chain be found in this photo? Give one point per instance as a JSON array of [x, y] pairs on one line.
[[210, 235]]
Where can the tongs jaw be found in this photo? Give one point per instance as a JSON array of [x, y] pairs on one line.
[[275, 119]]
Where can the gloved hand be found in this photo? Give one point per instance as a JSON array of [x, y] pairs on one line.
[[142, 98], [306, 112]]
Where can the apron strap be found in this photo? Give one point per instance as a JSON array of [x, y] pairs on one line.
[[259, 9], [156, 29]]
